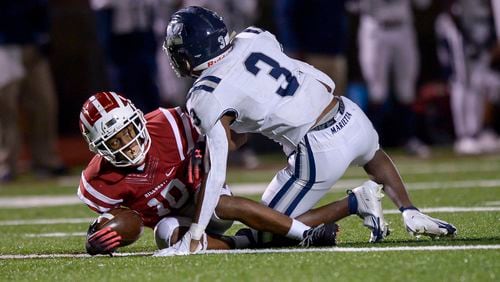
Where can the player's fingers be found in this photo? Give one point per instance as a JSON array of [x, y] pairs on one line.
[[100, 233], [111, 240], [107, 236], [111, 247], [104, 237], [95, 236]]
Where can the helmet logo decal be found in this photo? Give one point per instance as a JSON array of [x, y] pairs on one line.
[[111, 122]]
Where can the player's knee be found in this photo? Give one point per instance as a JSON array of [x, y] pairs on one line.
[[168, 231], [227, 207]]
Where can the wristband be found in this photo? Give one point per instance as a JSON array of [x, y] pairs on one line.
[[196, 231], [402, 209]]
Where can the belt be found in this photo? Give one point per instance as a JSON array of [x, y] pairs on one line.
[[331, 121], [389, 24]]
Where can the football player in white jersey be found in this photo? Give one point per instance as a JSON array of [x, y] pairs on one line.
[[387, 45], [466, 37], [247, 84]]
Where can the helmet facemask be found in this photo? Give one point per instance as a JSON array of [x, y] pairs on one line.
[[119, 156]]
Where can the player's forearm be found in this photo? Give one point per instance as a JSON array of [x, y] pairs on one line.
[[237, 140], [209, 197]]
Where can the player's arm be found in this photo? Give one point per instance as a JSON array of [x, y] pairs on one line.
[[103, 241], [235, 140], [218, 144]]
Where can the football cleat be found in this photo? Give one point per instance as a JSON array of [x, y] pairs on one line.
[[369, 197], [417, 224], [321, 235]]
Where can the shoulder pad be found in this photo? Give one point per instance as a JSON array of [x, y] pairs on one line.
[[206, 83], [253, 29]]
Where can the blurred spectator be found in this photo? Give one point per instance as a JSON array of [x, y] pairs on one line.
[[316, 32], [125, 30], [387, 45], [466, 36], [25, 80]]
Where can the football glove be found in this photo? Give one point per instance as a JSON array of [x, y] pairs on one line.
[[196, 168], [418, 224], [182, 247], [104, 241]]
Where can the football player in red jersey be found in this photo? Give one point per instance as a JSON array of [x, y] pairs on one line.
[[144, 163]]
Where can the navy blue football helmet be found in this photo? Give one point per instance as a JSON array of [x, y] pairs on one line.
[[194, 37]]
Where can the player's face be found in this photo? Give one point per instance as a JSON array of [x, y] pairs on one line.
[[122, 138]]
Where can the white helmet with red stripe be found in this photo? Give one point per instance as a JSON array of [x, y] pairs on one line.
[[104, 115]]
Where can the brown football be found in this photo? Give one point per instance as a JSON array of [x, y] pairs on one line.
[[126, 222]]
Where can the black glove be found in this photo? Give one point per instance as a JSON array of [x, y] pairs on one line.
[[104, 241]]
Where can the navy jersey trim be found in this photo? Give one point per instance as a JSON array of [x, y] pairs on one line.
[[252, 29]]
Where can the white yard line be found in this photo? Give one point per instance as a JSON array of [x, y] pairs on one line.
[[450, 210], [46, 221], [485, 164], [56, 234], [89, 219], [275, 251], [246, 189], [38, 201], [342, 185]]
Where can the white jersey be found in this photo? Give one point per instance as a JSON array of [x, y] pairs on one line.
[[388, 10], [391, 10], [268, 92]]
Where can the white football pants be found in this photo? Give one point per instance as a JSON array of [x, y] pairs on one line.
[[320, 159]]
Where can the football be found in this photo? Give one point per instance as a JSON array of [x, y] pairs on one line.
[[126, 222]]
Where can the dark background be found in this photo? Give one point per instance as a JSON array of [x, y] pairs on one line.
[[79, 71]]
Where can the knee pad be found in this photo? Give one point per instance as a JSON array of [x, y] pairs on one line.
[[166, 227]]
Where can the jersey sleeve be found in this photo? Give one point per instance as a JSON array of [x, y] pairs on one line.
[[97, 195], [203, 106]]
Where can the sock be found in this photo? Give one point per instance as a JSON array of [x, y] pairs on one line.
[[240, 242], [352, 203], [244, 238], [297, 230]]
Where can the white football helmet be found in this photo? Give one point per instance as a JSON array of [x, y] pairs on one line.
[[105, 114]]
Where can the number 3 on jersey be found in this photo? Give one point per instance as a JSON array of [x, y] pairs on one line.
[[276, 72]]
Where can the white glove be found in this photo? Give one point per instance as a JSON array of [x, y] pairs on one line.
[[418, 224], [182, 247]]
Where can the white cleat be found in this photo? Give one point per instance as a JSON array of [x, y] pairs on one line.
[[418, 224], [369, 197], [467, 146]]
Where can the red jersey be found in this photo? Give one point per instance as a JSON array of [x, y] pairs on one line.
[[155, 189]]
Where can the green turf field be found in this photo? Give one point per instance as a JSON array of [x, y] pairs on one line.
[[45, 243]]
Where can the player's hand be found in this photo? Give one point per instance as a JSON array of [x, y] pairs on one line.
[[195, 168], [104, 241], [418, 224], [185, 246]]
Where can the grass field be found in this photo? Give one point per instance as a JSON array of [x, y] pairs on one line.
[[41, 240]]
